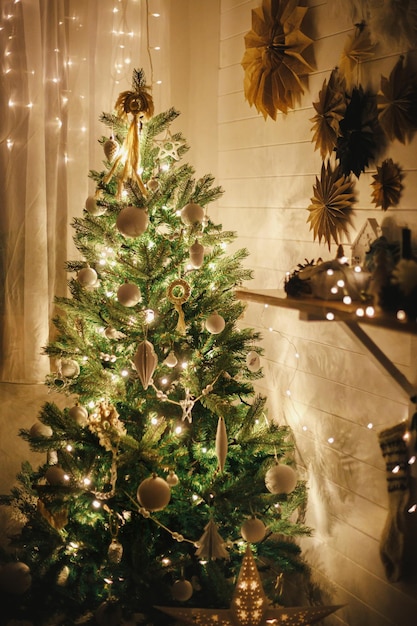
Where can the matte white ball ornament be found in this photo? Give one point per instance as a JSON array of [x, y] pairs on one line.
[[154, 493], [132, 221], [15, 578], [192, 214], [129, 294], [87, 277], [56, 476], [253, 530], [40, 430], [93, 208], [253, 362], [215, 323], [281, 479], [182, 590], [79, 414], [172, 478]]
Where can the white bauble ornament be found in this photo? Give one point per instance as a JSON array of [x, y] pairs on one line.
[[109, 614], [253, 530], [115, 552], [152, 184], [92, 207], [281, 479], [154, 493], [221, 443], [40, 430], [69, 368], [87, 277], [172, 478], [196, 255], [132, 222], [253, 362], [56, 476], [215, 323], [15, 578], [111, 148], [145, 361], [171, 360], [182, 590], [129, 294], [192, 214], [79, 414]]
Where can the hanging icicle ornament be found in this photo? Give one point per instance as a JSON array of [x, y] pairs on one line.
[[211, 545], [221, 443], [145, 361], [139, 104], [178, 293]]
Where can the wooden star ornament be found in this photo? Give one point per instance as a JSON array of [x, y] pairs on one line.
[[249, 606]]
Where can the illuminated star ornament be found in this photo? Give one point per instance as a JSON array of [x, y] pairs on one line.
[[250, 606]]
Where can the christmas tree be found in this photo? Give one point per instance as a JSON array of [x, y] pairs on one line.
[[164, 465]]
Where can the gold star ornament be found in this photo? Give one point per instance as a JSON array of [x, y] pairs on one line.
[[250, 606]]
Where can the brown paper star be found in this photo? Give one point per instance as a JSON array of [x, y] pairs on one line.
[[358, 48], [330, 109], [397, 102], [273, 60], [387, 185], [249, 606], [331, 205]]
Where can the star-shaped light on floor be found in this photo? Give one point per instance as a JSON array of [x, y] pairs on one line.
[[249, 606]]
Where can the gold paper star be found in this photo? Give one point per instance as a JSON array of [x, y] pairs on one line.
[[250, 606]]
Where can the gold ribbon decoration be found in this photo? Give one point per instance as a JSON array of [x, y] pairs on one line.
[[139, 104], [178, 299]]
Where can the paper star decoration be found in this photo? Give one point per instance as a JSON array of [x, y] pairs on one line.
[[168, 147], [250, 606]]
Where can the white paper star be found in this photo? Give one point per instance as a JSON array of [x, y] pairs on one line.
[[168, 147]]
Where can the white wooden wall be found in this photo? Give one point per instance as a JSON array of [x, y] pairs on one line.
[[332, 389]]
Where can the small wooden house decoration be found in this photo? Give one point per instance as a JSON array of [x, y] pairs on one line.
[[367, 234]]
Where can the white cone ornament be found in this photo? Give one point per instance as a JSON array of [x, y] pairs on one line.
[[79, 414], [182, 590], [253, 530], [153, 493], [129, 294], [171, 360], [40, 430], [87, 277], [253, 362], [221, 443], [56, 476], [15, 578], [132, 222], [281, 479], [111, 148], [196, 255], [192, 214], [93, 208], [115, 552], [145, 361]]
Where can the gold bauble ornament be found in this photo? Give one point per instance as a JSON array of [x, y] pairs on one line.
[[129, 294]]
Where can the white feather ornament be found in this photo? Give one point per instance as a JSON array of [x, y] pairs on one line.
[[221, 443], [145, 361]]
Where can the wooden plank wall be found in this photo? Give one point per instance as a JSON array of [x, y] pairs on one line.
[[317, 378]]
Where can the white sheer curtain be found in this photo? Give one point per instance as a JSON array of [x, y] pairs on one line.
[[63, 63]]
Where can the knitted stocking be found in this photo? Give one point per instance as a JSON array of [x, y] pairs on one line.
[[394, 451]]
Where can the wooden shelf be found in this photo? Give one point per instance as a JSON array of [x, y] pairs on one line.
[[312, 309], [315, 309]]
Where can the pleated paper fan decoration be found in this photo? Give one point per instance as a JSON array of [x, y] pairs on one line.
[[387, 185], [273, 60], [397, 102], [358, 48], [331, 206], [330, 109]]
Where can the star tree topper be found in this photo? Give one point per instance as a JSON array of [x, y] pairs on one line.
[[250, 606]]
